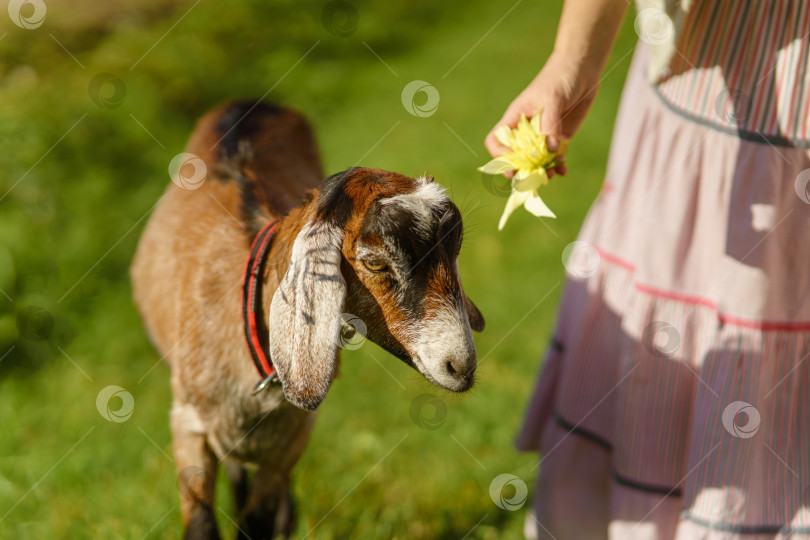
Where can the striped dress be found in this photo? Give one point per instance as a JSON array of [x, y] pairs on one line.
[[674, 400], [742, 67]]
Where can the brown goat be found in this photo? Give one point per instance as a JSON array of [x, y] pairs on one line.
[[372, 243]]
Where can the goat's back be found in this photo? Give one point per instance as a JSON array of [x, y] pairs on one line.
[[261, 160], [273, 146]]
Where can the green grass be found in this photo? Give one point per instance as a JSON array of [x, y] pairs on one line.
[[79, 180]]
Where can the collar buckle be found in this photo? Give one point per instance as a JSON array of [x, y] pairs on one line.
[[264, 383]]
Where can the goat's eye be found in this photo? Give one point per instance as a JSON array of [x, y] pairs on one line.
[[375, 265]]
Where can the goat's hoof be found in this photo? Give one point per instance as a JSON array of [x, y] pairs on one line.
[[273, 520], [202, 525]]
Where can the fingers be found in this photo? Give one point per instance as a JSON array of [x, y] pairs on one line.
[[561, 115], [561, 169], [551, 123], [510, 118], [513, 112], [494, 147]]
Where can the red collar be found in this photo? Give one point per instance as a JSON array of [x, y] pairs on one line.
[[257, 334]]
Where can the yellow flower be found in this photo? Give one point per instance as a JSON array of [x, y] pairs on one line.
[[530, 159]]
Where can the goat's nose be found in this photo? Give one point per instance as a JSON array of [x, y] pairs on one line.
[[460, 368]]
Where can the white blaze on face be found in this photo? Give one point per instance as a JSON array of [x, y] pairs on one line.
[[444, 349], [421, 202]]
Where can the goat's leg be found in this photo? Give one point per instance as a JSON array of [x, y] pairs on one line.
[[196, 477], [269, 512], [238, 477]]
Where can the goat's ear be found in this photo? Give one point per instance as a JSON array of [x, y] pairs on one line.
[[474, 315], [305, 315]]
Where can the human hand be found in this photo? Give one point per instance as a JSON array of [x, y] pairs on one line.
[[564, 90]]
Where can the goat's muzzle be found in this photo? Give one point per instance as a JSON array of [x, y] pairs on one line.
[[462, 371], [454, 371]]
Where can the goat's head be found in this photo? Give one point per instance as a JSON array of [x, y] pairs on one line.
[[383, 247]]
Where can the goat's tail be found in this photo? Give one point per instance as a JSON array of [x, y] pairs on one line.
[[270, 151]]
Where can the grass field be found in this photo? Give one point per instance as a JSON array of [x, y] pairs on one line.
[[84, 157]]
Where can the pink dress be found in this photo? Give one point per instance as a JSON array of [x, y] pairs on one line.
[[674, 401]]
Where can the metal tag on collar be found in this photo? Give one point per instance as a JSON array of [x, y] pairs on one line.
[[264, 383]]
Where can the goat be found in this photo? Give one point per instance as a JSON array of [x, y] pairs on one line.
[[372, 243]]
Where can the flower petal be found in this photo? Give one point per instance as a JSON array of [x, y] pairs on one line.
[[516, 160], [529, 180], [523, 125], [513, 203], [505, 136], [497, 166], [536, 122], [536, 206]]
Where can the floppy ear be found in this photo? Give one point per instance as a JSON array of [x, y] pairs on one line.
[[305, 314], [474, 315]]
